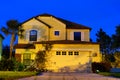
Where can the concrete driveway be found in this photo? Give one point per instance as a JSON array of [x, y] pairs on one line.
[[69, 76]]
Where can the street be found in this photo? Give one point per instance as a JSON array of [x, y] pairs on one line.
[[69, 76]]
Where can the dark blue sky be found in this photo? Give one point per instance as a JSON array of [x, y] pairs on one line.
[[93, 13]]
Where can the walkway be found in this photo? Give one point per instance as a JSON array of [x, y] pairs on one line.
[[69, 76]]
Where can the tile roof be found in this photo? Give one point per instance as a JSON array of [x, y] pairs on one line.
[[32, 46], [37, 20], [65, 42], [69, 24], [24, 46]]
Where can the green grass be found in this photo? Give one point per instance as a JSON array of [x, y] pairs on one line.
[[13, 75], [110, 74]]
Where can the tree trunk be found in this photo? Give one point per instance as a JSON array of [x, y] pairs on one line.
[[11, 44]]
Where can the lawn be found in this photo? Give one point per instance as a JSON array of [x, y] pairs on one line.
[[14, 75], [110, 74]]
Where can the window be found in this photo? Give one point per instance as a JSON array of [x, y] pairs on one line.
[[33, 35], [27, 59], [76, 53], [70, 53], [56, 33], [63, 52], [58, 53], [77, 36]]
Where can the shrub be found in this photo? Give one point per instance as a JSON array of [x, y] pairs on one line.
[[102, 67], [10, 65]]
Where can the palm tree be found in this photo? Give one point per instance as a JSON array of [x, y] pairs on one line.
[[13, 28]]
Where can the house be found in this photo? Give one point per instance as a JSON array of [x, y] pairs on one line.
[[71, 46], [1, 39]]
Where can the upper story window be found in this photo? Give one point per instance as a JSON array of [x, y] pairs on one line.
[[77, 36], [57, 33], [33, 35]]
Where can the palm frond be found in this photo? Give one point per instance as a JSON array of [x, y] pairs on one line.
[[13, 24], [5, 30]]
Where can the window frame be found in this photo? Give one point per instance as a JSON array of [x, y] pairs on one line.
[[26, 59], [76, 53], [77, 36], [70, 52], [57, 33], [64, 53], [58, 52], [33, 35]]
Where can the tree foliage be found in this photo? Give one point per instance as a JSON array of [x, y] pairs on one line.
[[110, 46], [116, 39], [42, 56], [104, 40], [6, 52], [117, 57], [13, 28], [41, 59]]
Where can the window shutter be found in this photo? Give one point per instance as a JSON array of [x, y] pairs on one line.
[[38, 35], [27, 35]]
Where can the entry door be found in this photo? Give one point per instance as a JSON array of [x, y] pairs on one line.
[[77, 36]]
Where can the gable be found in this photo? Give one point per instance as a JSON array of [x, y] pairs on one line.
[[34, 21], [53, 22], [69, 24]]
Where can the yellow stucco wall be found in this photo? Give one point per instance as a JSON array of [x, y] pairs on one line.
[[33, 24], [55, 62], [55, 26], [84, 34]]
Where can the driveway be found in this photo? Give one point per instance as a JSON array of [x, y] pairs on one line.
[[69, 76]]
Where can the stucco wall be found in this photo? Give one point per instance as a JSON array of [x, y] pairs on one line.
[[55, 62]]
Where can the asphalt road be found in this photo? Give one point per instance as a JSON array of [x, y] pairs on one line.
[[69, 76]]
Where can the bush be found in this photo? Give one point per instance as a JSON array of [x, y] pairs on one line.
[[10, 65], [102, 67]]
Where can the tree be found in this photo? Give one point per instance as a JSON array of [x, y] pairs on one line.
[[116, 40], [104, 40], [13, 28], [117, 57], [6, 52], [105, 44], [42, 56]]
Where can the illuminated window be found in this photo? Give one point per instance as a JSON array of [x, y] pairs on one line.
[[63, 52], [76, 53], [58, 53], [70, 53], [33, 35], [56, 33]]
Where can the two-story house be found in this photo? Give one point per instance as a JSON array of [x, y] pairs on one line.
[[71, 46]]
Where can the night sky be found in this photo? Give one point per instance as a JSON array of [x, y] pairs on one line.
[[96, 14]]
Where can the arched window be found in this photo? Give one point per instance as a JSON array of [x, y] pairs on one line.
[[33, 35]]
